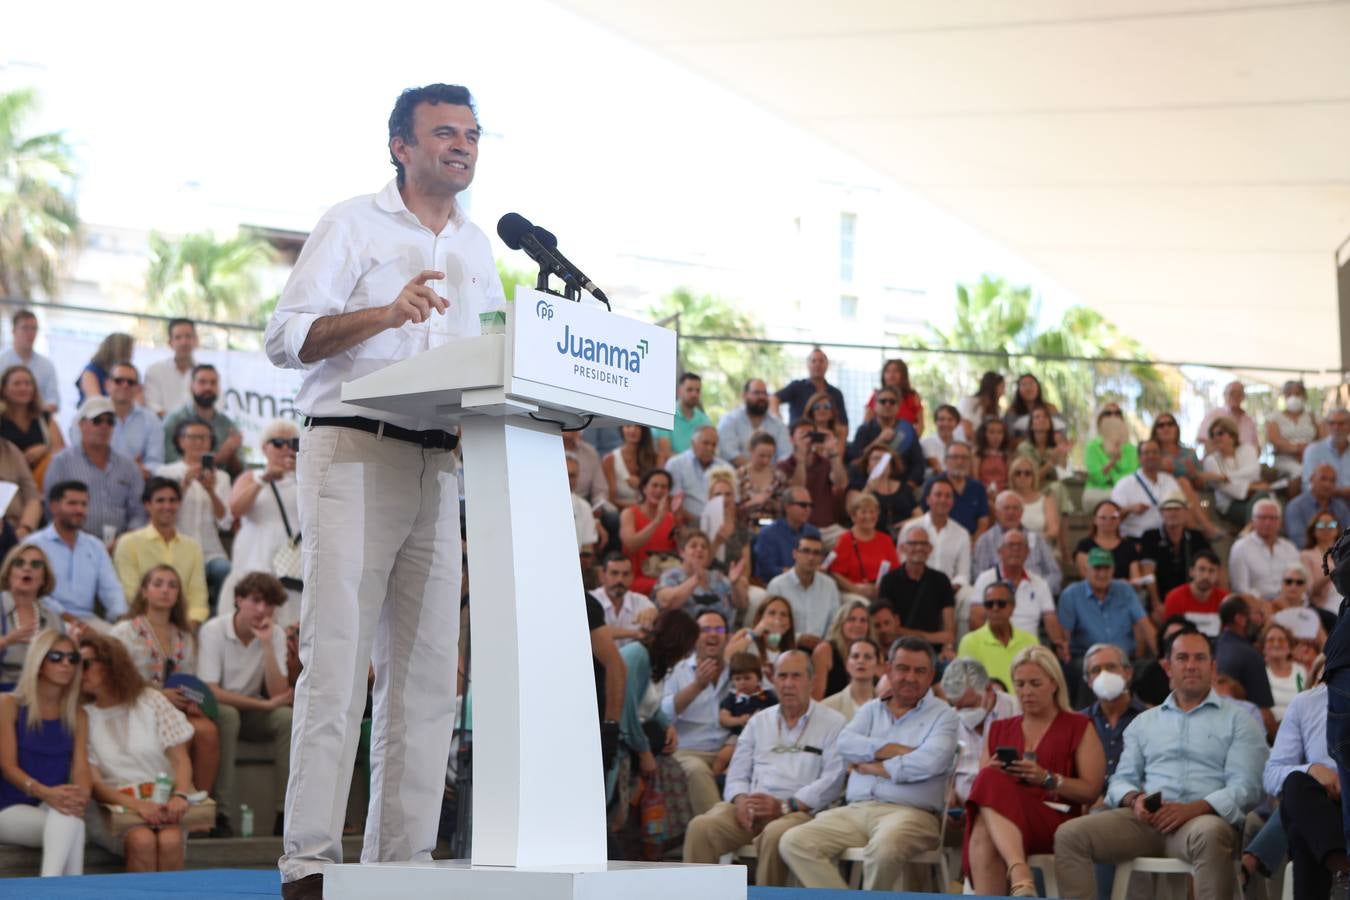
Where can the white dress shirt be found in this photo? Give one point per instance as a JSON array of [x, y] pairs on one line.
[[801, 762], [165, 387], [223, 659], [951, 548], [625, 617], [1031, 601], [1135, 489], [359, 256], [1255, 568]]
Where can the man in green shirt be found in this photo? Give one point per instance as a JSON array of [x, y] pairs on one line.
[[995, 643], [689, 417]]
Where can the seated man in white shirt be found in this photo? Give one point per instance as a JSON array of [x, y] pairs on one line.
[[690, 698], [966, 684], [786, 766], [628, 614], [242, 658], [1141, 494], [900, 752], [1258, 560]]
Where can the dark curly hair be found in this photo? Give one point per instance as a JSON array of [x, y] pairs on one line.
[[672, 638], [401, 119]]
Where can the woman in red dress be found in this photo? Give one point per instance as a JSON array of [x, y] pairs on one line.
[[1014, 808], [647, 530]]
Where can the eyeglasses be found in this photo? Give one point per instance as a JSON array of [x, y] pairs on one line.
[[293, 443], [105, 419], [35, 564], [997, 604], [123, 382], [917, 544], [885, 401], [1294, 581], [1321, 526], [806, 503], [56, 656], [824, 404], [1113, 413], [713, 629]]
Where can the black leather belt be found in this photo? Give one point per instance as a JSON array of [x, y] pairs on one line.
[[428, 440]]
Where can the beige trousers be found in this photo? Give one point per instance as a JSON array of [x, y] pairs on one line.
[[889, 835], [697, 766], [1117, 835], [718, 831]]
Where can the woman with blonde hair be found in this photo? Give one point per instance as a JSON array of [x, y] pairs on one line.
[[45, 784], [1048, 754], [829, 658], [1234, 470], [26, 583]]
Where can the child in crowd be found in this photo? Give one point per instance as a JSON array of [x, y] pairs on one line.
[[748, 696]]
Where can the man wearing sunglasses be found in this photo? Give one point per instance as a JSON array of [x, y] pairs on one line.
[[1320, 497], [137, 432], [996, 642], [114, 481]]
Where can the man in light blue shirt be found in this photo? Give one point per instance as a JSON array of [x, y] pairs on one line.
[[137, 432], [1333, 450], [786, 766], [740, 424], [814, 596], [83, 570], [1104, 610], [901, 752], [690, 698], [689, 472], [1203, 754]]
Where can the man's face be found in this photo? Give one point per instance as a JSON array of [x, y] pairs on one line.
[[886, 626], [998, 606], [1338, 423], [969, 700], [1323, 482], [443, 159], [911, 676], [1174, 516], [1008, 512], [946, 423], [183, 340], [122, 383], [958, 460], [918, 547], [790, 680], [888, 407], [1107, 661], [254, 609], [1190, 666], [1233, 395], [690, 391], [1150, 458], [617, 578], [163, 507], [1204, 575], [807, 556], [25, 333], [756, 398], [1013, 550], [817, 364], [205, 388], [941, 498], [1100, 577], [712, 636], [69, 512], [797, 508], [97, 432], [1266, 521], [704, 445]]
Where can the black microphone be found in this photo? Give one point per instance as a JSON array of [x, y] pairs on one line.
[[519, 233]]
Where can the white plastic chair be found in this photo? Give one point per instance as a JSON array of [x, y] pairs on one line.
[[1161, 865]]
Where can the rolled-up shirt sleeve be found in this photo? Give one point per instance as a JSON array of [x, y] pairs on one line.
[[320, 284], [934, 756], [855, 745], [1242, 772], [1288, 755]]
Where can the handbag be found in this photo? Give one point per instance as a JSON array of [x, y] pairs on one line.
[[118, 819], [286, 560], [652, 819]]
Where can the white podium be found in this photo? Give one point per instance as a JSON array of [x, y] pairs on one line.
[[538, 791]]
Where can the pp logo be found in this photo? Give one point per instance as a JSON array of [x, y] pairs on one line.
[[543, 309]]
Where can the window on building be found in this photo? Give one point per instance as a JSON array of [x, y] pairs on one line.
[[848, 307], [848, 226]]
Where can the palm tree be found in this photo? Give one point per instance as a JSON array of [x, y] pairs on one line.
[[1002, 323], [724, 364], [38, 222], [199, 277]]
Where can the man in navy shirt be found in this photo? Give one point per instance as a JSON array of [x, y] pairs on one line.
[[971, 507], [797, 393], [1240, 660], [775, 543]]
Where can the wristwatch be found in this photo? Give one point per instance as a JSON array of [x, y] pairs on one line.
[[1050, 782]]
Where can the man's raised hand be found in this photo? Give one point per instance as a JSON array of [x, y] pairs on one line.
[[416, 301]]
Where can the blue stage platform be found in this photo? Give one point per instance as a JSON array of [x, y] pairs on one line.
[[236, 884]]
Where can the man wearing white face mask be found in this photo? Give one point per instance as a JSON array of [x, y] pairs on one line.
[[1107, 670], [966, 684]]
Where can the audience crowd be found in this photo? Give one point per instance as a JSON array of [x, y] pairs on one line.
[[833, 636]]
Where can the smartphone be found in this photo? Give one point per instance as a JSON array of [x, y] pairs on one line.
[[818, 437], [1006, 755], [208, 462], [1153, 802]]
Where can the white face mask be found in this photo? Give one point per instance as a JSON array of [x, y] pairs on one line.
[[972, 716], [1294, 404], [1108, 686]]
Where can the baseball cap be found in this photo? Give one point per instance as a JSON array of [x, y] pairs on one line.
[[1301, 621], [1099, 557], [93, 407]]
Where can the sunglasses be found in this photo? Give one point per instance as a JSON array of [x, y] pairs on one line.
[[34, 564], [806, 503], [1018, 473], [56, 656], [997, 604], [713, 629], [885, 401], [293, 443], [1325, 526], [105, 419], [123, 382], [1294, 581], [824, 404], [1113, 413]]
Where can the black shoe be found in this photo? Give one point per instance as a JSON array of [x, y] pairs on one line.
[[279, 827], [308, 888], [222, 827]]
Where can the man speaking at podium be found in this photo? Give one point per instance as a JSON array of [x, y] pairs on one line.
[[381, 278]]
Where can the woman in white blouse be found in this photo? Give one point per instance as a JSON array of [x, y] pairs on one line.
[[263, 500], [204, 512], [1287, 677], [1234, 471], [134, 735]]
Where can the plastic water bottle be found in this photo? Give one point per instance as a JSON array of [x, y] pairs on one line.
[[246, 821], [163, 788]]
